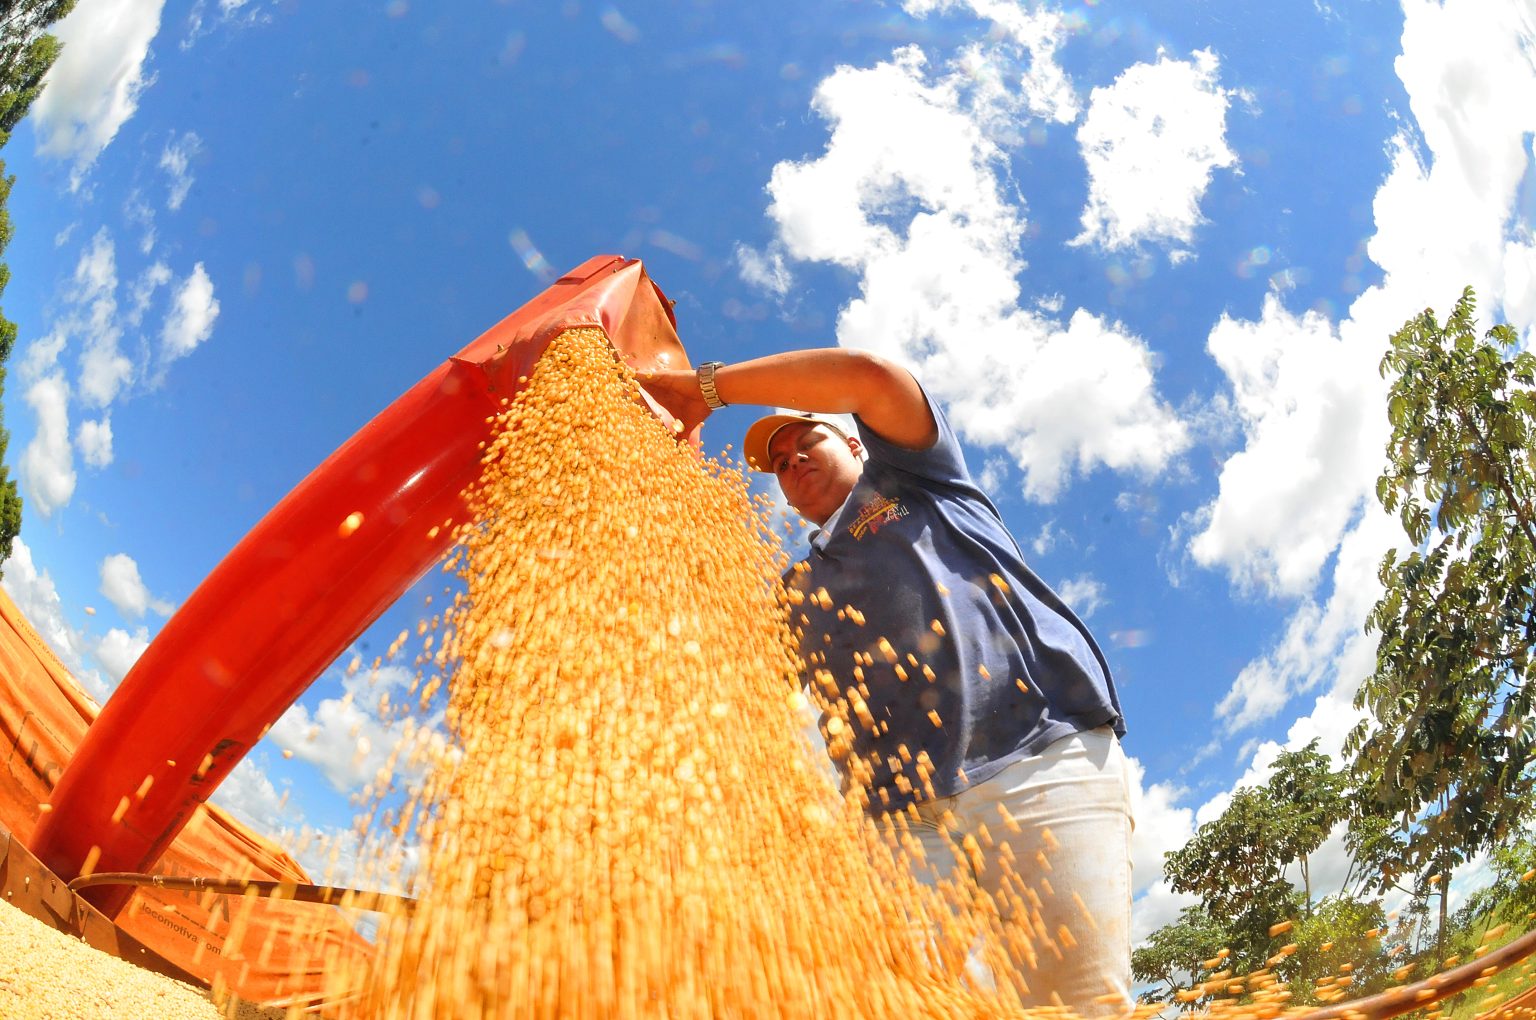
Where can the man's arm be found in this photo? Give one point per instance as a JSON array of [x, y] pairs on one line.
[[831, 380]]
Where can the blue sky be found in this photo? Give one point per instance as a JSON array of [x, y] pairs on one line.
[[1146, 254]]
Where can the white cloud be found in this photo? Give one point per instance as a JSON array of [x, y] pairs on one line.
[[1161, 826], [124, 588], [1151, 141], [764, 270], [909, 195], [144, 288], [1043, 86], [94, 87], [176, 161], [193, 313], [1323, 645], [119, 650], [37, 597], [345, 738], [1084, 594], [248, 794], [621, 27], [47, 464], [1308, 395], [94, 440], [1155, 908], [137, 212], [89, 315], [1311, 405], [238, 12]]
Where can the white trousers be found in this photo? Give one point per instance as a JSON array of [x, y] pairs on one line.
[[1059, 874]]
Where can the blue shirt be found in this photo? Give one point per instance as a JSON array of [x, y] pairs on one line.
[[942, 653]]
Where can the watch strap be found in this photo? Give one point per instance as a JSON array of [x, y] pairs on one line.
[[706, 374]]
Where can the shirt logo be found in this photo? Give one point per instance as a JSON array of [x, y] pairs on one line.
[[876, 514]]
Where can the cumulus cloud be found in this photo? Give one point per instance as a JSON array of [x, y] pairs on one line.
[[48, 463], [91, 322], [1161, 826], [1323, 645], [249, 794], [1306, 393], [909, 195], [144, 289], [344, 737], [125, 589], [36, 595], [94, 87], [764, 270], [1151, 141], [104, 371], [193, 313], [94, 440], [119, 650], [1084, 594], [176, 160], [1029, 37], [1311, 407]]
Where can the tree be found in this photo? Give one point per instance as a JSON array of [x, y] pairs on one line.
[[1237, 865], [1342, 932], [1444, 759], [1176, 955], [1311, 794]]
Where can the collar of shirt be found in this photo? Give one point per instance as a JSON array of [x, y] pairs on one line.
[[822, 535]]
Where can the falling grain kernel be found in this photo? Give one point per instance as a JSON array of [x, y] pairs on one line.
[[89, 867], [933, 717], [1494, 933], [1279, 929], [622, 725]]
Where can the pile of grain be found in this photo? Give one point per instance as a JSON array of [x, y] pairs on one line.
[[631, 825], [48, 975]]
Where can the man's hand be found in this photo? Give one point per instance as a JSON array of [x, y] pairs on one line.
[[677, 390]]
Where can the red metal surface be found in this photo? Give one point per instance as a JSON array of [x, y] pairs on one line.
[[295, 591]]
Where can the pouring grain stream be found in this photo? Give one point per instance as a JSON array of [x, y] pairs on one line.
[[631, 826]]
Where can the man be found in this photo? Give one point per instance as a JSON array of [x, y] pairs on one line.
[[967, 696]]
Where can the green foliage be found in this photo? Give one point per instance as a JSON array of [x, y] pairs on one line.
[[1341, 932], [1174, 955], [1236, 863], [1444, 759], [22, 84], [1511, 897]]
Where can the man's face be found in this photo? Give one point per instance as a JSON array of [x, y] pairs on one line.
[[816, 468]]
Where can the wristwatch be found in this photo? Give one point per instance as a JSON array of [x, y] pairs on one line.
[[706, 374]]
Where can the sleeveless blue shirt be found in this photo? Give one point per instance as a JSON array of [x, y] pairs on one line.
[[940, 651]]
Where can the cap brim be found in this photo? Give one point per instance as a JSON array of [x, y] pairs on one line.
[[755, 446]]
